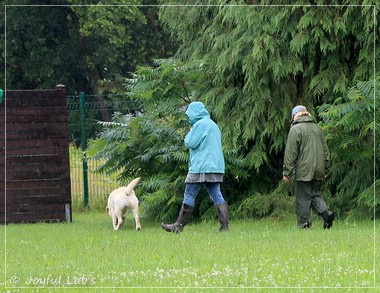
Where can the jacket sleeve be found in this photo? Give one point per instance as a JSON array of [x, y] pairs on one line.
[[327, 154], [195, 136], [291, 152]]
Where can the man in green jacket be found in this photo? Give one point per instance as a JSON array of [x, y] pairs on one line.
[[306, 160]]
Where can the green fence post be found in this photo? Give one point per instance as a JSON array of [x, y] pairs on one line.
[[84, 146]]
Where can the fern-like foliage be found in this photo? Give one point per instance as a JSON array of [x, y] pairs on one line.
[[276, 204], [260, 60], [251, 64], [151, 145], [350, 125]]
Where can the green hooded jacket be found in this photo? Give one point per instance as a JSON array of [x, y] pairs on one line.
[[306, 153]]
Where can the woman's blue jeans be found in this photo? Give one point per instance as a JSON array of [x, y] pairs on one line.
[[192, 190]]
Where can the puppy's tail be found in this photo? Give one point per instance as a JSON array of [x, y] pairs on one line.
[[131, 185]]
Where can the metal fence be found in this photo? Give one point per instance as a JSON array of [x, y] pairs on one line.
[[88, 187]]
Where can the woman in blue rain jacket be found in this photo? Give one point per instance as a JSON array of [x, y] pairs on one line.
[[206, 167]]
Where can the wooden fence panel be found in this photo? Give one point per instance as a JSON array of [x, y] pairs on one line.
[[34, 157]]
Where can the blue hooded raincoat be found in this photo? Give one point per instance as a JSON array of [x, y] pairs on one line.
[[204, 141]]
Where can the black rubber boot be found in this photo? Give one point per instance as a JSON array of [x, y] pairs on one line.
[[183, 218], [222, 210]]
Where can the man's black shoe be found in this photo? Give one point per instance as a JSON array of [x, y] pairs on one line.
[[328, 219]]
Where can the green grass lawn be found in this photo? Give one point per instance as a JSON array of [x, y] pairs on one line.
[[254, 254]]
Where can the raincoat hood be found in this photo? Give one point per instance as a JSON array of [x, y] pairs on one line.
[[196, 111]]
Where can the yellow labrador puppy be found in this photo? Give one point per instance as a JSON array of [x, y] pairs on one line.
[[119, 200]]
